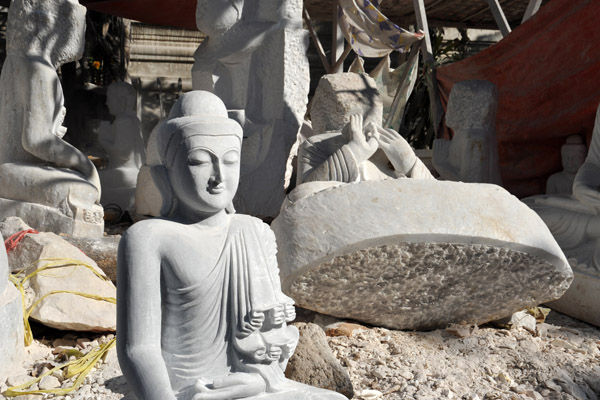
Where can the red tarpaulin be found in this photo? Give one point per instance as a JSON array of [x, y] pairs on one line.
[[548, 76], [179, 13]]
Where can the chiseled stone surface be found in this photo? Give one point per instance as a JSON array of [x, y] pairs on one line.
[[425, 254]]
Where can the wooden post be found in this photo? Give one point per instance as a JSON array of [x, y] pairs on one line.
[[436, 110], [532, 8], [316, 41], [337, 41], [499, 17]]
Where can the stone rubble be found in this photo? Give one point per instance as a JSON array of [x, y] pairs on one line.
[[559, 360]]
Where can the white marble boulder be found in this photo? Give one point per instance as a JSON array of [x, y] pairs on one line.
[[11, 320], [416, 254], [58, 310]]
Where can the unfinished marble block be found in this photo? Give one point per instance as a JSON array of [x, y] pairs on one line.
[[417, 254]]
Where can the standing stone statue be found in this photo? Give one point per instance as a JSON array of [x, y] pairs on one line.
[[349, 144], [255, 60], [472, 154], [124, 146], [572, 155], [201, 314], [46, 181]]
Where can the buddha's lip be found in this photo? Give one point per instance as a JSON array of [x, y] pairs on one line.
[[216, 190]]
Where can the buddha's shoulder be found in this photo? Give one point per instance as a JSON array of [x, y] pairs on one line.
[[151, 230], [242, 221]]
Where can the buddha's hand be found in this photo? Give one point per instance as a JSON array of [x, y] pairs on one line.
[[277, 315], [360, 147], [290, 312], [259, 355], [396, 148], [441, 148], [274, 353]]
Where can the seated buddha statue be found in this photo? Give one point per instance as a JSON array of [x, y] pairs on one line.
[[45, 180], [200, 312]]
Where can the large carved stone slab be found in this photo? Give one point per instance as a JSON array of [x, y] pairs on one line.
[[417, 254]]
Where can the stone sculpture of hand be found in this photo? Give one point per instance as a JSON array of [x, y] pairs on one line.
[[361, 148], [395, 147]]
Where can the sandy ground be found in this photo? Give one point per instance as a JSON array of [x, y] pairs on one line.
[[559, 360]]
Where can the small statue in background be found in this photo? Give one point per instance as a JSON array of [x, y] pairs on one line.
[[45, 180], [123, 143], [572, 155], [201, 314], [472, 154]]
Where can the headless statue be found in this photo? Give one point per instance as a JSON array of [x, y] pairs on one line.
[[37, 166], [574, 220], [354, 146], [124, 146], [472, 154], [572, 156], [201, 314]]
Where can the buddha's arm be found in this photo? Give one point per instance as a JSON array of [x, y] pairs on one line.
[[38, 139], [341, 166], [139, 317], [586, 187]]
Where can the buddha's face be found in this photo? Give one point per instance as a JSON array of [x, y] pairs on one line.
[[573, 157], [206, 172]]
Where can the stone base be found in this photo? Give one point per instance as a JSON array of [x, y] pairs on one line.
[[416, 253], [86, 223], [11, 330], [582, 300]]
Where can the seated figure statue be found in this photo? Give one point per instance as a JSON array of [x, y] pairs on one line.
[[124, 146], [572, 156], [574, 220], [354, 146], [45, 180], [201, 314], [472, 154]]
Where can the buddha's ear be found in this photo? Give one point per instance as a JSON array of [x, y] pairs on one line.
[[160, 176]]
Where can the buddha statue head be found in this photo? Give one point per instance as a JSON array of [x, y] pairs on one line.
[[199, 150], [54, 30], [472, 105], [573, 154]]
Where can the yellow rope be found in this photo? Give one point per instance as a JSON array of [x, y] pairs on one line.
[[81, 366]]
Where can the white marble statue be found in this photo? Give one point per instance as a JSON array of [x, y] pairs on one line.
[[124, 146], [45, 180], [572, 154], [472, 154], [574, 220], [254, 60], [200, 311], [349, 144]]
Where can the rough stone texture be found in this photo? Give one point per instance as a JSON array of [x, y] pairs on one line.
[[11, 320], [472, 154], [341, 95], [102, 250], [57, 310], [425, 254], [313, 362]]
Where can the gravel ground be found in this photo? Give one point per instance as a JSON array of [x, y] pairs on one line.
[[559, 360]]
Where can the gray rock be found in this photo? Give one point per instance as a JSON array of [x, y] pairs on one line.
[[102, 250], [49, 382], [424, 254], [313, 362]]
